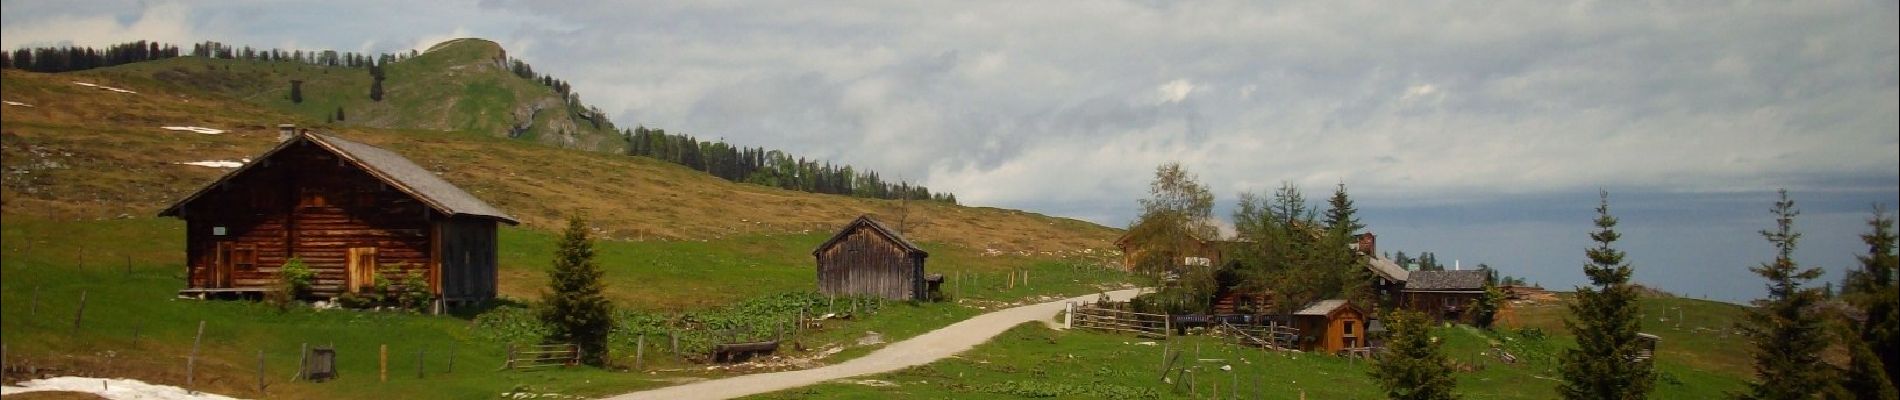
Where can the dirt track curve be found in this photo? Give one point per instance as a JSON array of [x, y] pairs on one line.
[[920, 350]]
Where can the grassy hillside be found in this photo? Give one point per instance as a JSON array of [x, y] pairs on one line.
[[81, 152], [85, 170], [460, 85]]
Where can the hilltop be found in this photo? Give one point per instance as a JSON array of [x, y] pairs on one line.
[[78, 152], [459, 85]]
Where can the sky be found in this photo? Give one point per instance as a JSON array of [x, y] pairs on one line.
[[1476, 130]]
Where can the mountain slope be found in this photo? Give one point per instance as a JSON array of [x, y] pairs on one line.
[[458, 85], [82, 152]]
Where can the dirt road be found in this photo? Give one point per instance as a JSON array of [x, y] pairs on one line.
[[919, 350]]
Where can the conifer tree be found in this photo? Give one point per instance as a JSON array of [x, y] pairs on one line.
[[1342, 229], [1871, 289], [574, 306], [1604, 318], [1413, 367], [1785, 331]]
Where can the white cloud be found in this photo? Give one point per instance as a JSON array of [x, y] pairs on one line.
[[1176, 90]]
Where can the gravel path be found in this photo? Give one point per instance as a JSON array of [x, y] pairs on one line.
[[919, 350]]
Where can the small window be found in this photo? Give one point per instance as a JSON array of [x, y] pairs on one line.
[[1349, 324], [244, 257]]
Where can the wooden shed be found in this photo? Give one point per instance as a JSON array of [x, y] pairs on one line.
[[1333, 325], [349, 211], [867, 258], [1444, 295]]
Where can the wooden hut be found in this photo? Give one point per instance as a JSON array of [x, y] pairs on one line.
[[1444, 295], [350, 211], [867, 258], [1332, 325]]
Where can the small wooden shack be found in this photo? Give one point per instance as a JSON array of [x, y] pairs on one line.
[[1444, 295], [1334, 325], [867, 258], [349, 210]]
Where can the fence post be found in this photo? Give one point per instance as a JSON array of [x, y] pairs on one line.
[[35, 310], [303, 362], [81, 314], [382, 362], [191, 363], [674, 335], [640, 353], [510, 363], [451, 367], [260, 371], [1068, 318], [419, 355]]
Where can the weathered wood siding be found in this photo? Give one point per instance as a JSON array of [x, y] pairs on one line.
[[468, 259], [1441, 306], [306, 202], [867, 263]]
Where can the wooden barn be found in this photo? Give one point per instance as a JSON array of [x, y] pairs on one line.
[[349, 211], [1444, 295], [867, 258], [1333, 325]]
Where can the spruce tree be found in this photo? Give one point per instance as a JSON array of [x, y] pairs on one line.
[[1871, 289], [1785, 330], [574, 307], [1342, 228], [1413, 367], [1604, 318]]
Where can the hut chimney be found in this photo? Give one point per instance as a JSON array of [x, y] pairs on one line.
[[285, 131], [1455, 265]]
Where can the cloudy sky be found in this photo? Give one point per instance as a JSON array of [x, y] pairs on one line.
[[1479, 131]]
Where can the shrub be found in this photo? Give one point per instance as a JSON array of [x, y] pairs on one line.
[[293, 282]]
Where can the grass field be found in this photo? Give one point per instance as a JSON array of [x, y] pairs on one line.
[[1032, 361], [129, 269]]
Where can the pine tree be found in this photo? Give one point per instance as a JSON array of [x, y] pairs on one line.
[[574, 306], [1871, 289], [296, 91], [1605, 321], [1342, 228], [1785, 330], [1413, 367]]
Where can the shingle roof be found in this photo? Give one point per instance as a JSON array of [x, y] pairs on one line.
[[865, 220], [441, 194], [387, 166], [1466, 280], [1387, 269], [1322, 307]]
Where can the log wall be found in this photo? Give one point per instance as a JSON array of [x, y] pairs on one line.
[[307, 202]]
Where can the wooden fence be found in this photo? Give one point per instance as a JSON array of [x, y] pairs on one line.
[[1271, 336], [1108, 319], [543, 355]]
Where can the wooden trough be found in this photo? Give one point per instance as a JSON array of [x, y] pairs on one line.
[[740, 352]]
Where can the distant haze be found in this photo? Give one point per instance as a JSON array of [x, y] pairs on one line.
[[1479, 131]]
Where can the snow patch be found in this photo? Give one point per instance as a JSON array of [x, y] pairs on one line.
[[110, 388], [16, 104], [214, 164], [103, 87], [199, 129]]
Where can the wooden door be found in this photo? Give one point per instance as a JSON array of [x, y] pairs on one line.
[[221, 266], [362, 268]]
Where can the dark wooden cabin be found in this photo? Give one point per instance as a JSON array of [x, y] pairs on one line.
[[1444, 295], [867, 258], [349, 211]]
